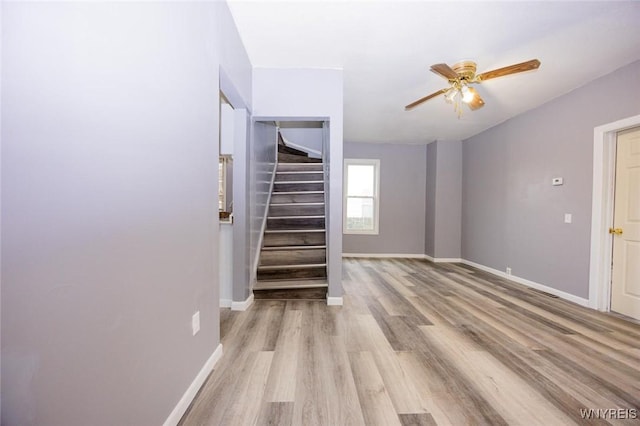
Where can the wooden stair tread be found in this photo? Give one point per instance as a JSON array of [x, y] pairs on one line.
[[297, 197], [294, 266], [282, 148], [298, 192], [297, 217], [279, 248], [284, 157], [289, 283], [280, 239], [295, 182], [289, 231], [313, 294], [296, 204], [295, 172], [302, 163], [306, 166], [297, 186]]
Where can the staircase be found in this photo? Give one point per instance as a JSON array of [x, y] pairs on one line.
[[293, 256]]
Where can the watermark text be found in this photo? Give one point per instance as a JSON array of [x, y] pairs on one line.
[[609, 413]]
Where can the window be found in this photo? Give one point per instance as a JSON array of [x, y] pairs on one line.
[[360, 207]]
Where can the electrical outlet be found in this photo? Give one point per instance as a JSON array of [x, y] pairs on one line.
[[195, 323], [508, 271]]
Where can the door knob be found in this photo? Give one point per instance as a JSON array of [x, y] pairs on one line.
[[616, 231]]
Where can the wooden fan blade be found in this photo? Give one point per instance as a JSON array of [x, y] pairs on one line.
[[426, 98], [511, 69], [476, 102], [445, 71]]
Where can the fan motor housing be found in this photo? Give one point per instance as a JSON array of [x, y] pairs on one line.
[[465, 69]]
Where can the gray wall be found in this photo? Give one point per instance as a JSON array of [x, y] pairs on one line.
[[511, 214], [307, 137], [448, 208], [241, 234], [430, 200], [402, 199], [109, 177], [443, 200]]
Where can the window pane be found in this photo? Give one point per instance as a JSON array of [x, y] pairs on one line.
[[360, 180], [360, 214]]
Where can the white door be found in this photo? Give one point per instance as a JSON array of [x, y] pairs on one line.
[[625, 286]]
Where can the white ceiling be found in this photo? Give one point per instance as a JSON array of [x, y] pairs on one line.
[[386, 48]]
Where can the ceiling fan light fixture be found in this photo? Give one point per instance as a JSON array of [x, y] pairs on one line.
[[467, 95], [450, 95], [461, 76]]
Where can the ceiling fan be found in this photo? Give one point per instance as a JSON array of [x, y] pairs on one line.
[[461, 76]]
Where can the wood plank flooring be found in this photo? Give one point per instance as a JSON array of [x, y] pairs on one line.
[[418, 343]]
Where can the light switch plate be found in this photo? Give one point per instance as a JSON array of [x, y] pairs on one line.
[[557, 181], [567, 218]]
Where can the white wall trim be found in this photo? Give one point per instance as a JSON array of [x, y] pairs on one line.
[[564, 295], [447, 260], [443, 259], [405, 256], [300, 147], [604, 138], [192, 390], [334, 301], [386, 255], [244, 305], [225, 303], [375, 162]]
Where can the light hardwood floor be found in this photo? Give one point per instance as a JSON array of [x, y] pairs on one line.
[[418, 343]]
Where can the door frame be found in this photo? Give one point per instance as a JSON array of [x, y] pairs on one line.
[[602, 202]]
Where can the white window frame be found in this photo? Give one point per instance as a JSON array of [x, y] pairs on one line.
[[376, 195]]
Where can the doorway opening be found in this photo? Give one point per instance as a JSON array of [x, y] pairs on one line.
[[604, 161], [225, 201]]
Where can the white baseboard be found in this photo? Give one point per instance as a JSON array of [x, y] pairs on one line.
[[192, 390], [405, 256], [334, 301], [385, 255], [564, 295], [242, 306], [225, 303], [443, 259]]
